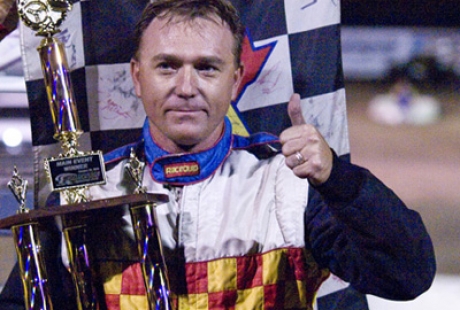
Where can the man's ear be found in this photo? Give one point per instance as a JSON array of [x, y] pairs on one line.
[[135, 72], [238, 78]]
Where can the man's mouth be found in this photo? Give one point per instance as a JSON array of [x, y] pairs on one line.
[[185, 113]]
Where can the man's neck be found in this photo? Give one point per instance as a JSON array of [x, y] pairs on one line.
[[173, 147]]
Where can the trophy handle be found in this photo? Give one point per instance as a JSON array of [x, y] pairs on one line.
[[32, 266]]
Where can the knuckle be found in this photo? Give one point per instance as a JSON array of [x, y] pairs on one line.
[[285, 150], [316, 164]]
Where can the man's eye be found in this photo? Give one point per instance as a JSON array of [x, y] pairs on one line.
[[166, 67], [207, 69]]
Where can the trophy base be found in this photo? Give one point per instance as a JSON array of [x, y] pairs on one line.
[[78, 210]]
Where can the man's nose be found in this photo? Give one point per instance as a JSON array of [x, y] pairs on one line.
[[186, 82]]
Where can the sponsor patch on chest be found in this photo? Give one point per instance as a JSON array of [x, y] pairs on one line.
[[181, 169]]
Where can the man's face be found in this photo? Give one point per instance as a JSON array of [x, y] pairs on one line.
[[186, 76]]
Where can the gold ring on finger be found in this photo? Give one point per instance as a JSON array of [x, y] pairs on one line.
[[300, 158]]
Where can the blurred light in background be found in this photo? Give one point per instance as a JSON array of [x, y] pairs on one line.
[[12, 137], [14, 132]]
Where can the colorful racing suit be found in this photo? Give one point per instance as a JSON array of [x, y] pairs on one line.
[[241, 231]]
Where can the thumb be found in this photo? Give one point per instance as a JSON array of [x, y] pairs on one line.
[[294, 110]]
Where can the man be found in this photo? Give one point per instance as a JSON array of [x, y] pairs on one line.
[[245, 227]]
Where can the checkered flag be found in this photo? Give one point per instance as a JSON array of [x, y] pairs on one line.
[[290, 46]]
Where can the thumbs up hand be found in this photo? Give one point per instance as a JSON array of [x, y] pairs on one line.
[[306, 151]]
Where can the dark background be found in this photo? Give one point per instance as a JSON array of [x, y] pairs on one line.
[[440, 13]]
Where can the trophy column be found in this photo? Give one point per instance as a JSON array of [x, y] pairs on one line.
[[86, 169], [149, 247], [28, 252], [31, 264]]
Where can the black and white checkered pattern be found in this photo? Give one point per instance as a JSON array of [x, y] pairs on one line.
[[304, 41]]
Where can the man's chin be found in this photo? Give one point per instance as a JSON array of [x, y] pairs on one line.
[[193, 136], [194, 141], [187, 138]]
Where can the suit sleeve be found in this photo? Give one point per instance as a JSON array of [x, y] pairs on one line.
[[359, 229]]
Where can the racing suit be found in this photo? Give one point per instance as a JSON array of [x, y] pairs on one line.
[[240, 230], [236, 232]]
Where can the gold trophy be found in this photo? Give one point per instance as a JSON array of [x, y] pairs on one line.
[[72, 171], [70, 174]]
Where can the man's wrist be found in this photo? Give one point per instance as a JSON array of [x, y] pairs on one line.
[[344, 182]]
